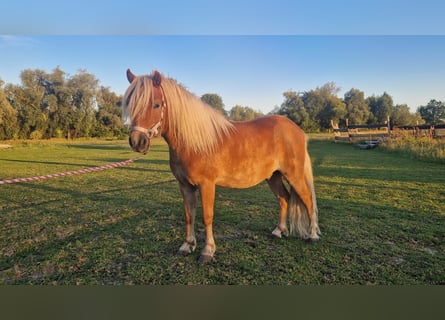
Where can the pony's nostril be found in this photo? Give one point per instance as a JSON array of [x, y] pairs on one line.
[[139, 142], [142, 143]]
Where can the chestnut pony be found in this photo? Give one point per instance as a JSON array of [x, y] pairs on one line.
[[207, 150]]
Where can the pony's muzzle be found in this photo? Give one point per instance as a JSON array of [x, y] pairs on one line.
[[139, 142]]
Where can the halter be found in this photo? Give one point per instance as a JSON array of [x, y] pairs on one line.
[[154, 131]]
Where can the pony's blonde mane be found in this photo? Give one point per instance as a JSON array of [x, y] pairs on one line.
[[136, 98], [192, 123]]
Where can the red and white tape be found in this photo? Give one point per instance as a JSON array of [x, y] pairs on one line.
[[70, 173]]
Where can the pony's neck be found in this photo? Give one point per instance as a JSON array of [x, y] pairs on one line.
[[166, 132], [190, 124]]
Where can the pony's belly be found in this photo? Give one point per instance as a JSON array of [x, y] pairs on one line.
[[247, 172], [238, 185], [243, 180]]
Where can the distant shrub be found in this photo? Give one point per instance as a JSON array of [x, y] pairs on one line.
[[418, 147], [59, 133], [36, 135]]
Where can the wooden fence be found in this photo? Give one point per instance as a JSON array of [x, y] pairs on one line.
[[354, 132], [373, 134], [431, 131]]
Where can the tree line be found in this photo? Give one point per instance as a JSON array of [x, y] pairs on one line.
[[313, 110], [57, 105]]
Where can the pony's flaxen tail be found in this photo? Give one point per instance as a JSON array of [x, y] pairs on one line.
[[303, 222]]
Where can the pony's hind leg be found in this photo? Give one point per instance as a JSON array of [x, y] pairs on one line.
[[189, 195], [277, 186]]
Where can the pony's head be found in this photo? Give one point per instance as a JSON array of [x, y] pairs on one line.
[[154, 105], [144, 106]]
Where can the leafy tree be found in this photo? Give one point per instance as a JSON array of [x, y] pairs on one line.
[[108, 116], [381, 107], [56, 105], [293, 108], [30, 103], [356, 106], [29, 116], [59, 104], [401, 116], [83, 87], [323, 105], [215, 101], [334, 109], [8, 117], [240, 113], [433, 112]]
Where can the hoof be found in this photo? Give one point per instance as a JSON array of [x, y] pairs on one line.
[[311, 240], [183, 252], [186, 248], [278, 233], [205, 258]]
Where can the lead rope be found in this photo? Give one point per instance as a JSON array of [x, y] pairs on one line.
[[70, 173]]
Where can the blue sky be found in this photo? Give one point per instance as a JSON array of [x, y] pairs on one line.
[[247, 56], [414, 17]]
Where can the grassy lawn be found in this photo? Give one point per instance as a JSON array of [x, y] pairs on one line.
[[381, 217]]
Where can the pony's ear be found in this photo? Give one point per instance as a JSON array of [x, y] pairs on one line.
[[157, 79], [130, 76]]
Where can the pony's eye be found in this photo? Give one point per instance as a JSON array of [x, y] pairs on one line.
[[156, 105]]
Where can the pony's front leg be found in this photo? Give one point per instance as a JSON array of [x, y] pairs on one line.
[[189, 195], [208, 200]]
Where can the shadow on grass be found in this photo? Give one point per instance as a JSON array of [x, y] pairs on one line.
[[80, 165], [111, 195], [95, 253], [101, 147]]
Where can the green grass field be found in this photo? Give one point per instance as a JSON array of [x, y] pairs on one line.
[[382, 219]]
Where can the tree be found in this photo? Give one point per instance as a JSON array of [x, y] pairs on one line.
[[323, 105], [54, 105], [293, 108], [108, 116], [47, 105], [30, 104], [433, 112], [83, 87], [334, 109], [240, 113], [401, 116], [381, 108], [59, 101], [356, 106], [8, 117], [215, 101]]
